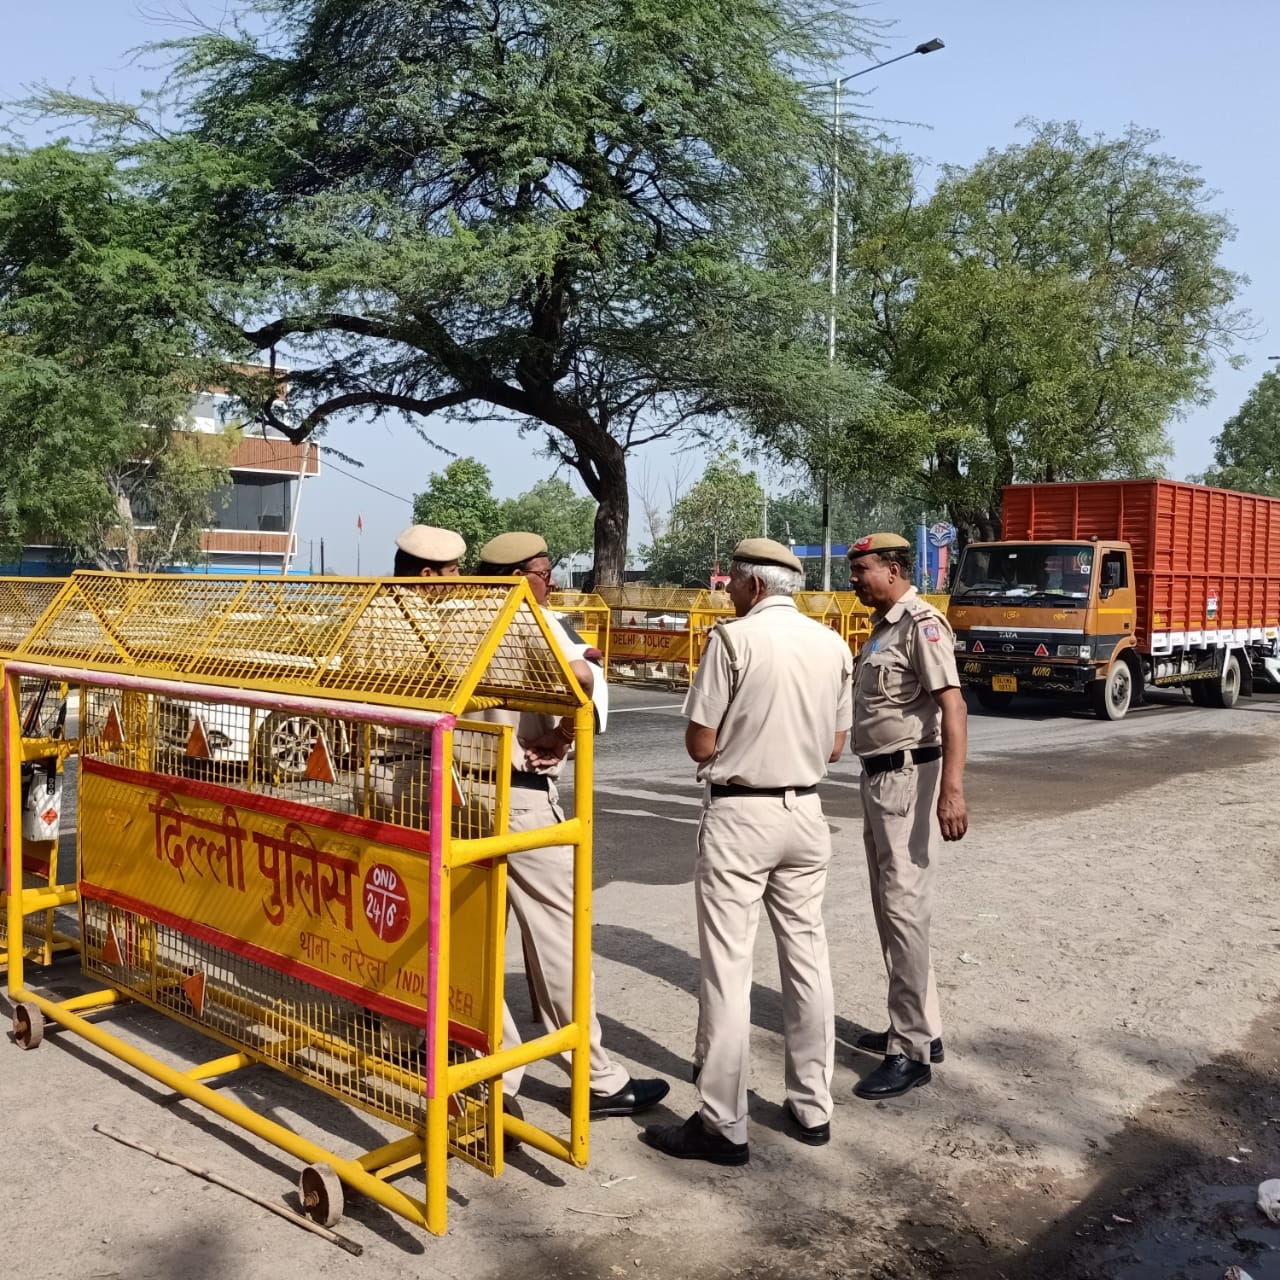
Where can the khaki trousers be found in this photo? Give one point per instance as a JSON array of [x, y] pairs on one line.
[[775, 850], [540, 891], [900, 833]]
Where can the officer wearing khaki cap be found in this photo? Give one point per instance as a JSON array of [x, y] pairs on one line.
[[540, 881], [769, 708], [423, 551], [910, 731]]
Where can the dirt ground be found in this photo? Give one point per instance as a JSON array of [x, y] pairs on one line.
[[1108, 953]]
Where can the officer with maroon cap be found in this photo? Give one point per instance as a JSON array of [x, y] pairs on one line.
[[910, 732]]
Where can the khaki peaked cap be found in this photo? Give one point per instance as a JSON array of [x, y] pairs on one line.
[[878, 542], [766, 551], [426, 542], [513, 548]]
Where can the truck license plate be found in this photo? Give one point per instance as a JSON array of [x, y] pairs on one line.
[[1004, 684]]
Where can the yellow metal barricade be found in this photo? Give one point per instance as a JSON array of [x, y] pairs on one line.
[[649, 599], [587, 614], [649, 632], [709, 608], [293, 838], [43, 747]]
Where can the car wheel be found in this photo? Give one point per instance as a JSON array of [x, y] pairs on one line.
[[286, 740]]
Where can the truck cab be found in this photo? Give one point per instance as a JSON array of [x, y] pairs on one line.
[[1054, 617]]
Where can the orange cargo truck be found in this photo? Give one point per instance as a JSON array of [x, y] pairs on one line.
[[1105, 588]]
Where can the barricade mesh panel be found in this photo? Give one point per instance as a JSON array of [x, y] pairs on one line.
[[372, 1062], [311, 762], [421, 644], [376, 771], [22, 601]]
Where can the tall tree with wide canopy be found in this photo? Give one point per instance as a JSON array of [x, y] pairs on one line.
[[1049, 308], [1246, 455], [548, 213]]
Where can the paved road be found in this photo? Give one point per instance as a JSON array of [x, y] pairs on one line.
[[1039, 759]]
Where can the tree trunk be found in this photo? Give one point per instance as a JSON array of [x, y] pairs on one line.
[[612, 518], [602, 463], [125, 509]]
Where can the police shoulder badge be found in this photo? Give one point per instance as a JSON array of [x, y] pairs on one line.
[[928, 626]]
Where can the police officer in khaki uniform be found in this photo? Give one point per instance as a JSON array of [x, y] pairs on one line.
[[423, 551], [910, 731], [540, 881], [770, 707]]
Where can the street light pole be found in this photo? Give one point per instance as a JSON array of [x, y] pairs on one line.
[[928, 46]]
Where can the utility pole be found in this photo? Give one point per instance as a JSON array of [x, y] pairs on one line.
[[322, 557], [928, 46]]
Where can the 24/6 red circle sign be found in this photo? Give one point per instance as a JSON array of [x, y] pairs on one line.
[[386, 902]]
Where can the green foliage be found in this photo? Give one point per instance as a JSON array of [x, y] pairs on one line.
[[552, 509], [725, 506], [552, 213], [1246, 456], [461, 498], [98, 349], [1049, 309], [796, 517]]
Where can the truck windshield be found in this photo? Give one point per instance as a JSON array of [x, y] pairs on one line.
[[1035, 575]]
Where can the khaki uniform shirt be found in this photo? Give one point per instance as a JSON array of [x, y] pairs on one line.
[[793, 696], [909, 656], [528, 725]]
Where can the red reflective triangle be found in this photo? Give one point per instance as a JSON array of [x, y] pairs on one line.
[[320, 763], [112, 732], [194, 988], [111, 948], [197, 743], [977, 647], [1041, 651]]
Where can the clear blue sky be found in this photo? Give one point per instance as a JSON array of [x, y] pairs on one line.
[[1200, 73]]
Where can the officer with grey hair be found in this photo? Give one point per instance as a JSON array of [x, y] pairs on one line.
[[910, 732], [769, 709]]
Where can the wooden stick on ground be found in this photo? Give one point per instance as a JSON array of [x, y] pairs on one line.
[[280, 1210]]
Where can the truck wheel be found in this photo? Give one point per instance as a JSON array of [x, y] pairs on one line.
[[990, 700], [1225, 691], [1111, 696]]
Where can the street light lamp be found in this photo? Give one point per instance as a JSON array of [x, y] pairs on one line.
[[928, 46]]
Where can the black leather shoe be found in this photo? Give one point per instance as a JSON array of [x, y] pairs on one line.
[[634, 1097], [895, 1076], [878, 1042], [693, 1141], [812, 1135]]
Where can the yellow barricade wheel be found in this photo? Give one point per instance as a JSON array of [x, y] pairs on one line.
[[28, 1026], [320, 1190]]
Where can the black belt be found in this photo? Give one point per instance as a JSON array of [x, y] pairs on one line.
[[721, 790], [871, 765], [530, 781]]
